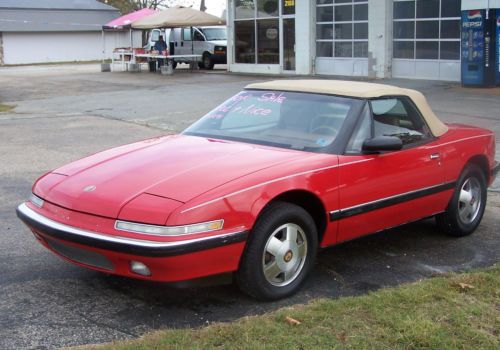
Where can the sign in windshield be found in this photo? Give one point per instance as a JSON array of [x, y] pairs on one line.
[[283, 119]]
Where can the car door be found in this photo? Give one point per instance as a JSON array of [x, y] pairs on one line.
[[178, 40], [199, 42], [185, 42], [382, 190]]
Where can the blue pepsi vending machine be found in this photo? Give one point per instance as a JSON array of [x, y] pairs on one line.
[[478, 50], [497, 46]]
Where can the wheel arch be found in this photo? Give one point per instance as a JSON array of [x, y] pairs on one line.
[[308, 201], [482, 162]]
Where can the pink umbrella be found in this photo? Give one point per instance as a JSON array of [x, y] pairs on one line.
[[126, 21]]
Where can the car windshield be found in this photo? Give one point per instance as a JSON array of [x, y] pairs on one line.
[[215, 33], [302, 121]]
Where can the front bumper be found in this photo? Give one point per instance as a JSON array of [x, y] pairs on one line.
[[132, 246], [219, 58], [173, 261]]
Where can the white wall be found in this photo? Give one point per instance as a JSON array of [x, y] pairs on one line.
[[379, 38], [23, 48], [426, 69], [305, 32]]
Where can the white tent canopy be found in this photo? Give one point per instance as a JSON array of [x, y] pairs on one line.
[[177, 17]]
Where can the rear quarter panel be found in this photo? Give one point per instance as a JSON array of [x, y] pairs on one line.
[[461, 144]]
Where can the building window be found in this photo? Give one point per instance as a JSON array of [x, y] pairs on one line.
[[244, 38], [288, 7], [342, 28], [256, 30], [426, 29], [268, 41], [244, 9]]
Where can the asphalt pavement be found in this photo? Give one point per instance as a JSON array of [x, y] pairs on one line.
[[66, 112]]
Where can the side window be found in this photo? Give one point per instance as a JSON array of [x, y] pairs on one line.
[[155, 35], [186, 34], [397, 116], [362, 132], [197, 36]]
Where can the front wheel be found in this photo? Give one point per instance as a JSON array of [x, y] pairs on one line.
[[280, 252], [207, 61], [466, 208]]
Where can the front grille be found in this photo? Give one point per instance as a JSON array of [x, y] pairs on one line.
[[82, 256]]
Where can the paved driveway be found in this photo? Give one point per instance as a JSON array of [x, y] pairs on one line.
[[66, 112]]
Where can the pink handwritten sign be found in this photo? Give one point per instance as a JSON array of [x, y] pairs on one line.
[[272, 97], [238, 105]]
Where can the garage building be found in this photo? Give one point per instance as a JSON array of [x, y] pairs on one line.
[[368, 38], [33, 31]]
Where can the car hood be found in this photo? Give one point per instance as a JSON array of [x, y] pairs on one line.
[[176, 167], [219, 42]]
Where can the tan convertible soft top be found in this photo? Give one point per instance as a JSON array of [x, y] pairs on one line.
[[356, 89]]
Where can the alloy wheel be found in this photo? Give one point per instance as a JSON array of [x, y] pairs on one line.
[[284, 255]]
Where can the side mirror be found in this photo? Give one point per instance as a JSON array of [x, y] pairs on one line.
[[382, 143]]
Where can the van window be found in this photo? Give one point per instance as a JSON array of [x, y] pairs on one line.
[[197, 36], [215, 33], [186, 34], [155, 35]]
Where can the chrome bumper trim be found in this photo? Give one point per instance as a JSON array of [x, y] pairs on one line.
[[141, 247]]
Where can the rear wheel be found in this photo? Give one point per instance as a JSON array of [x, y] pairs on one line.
[[280, 252], [466, 208]]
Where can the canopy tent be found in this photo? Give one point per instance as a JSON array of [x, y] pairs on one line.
[[123, 23], [126, 21], [177, 17]]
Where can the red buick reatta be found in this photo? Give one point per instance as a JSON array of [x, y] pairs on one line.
[[263, 181]]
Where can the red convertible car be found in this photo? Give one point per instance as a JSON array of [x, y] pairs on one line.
[[262, 182]]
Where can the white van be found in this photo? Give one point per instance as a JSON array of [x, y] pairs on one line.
[[209, 42]]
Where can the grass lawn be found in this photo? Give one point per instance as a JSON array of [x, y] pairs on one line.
[[5, 108], [457, 311]]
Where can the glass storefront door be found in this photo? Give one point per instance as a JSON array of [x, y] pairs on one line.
[[288, 51]]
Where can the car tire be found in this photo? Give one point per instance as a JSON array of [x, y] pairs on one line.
[[207, 61], [174, 65], [283, 242], [466, 208]]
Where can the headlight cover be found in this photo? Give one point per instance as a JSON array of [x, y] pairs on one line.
[[169, 230], [36, 200]]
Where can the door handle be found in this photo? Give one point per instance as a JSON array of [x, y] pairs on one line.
[[435, 156], [182, 43]]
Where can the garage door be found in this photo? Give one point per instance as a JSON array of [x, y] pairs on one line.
[[426, 39], [342, 37], [24, 48]]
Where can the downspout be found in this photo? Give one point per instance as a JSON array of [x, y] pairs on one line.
[[103, 58], [1, 49]]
